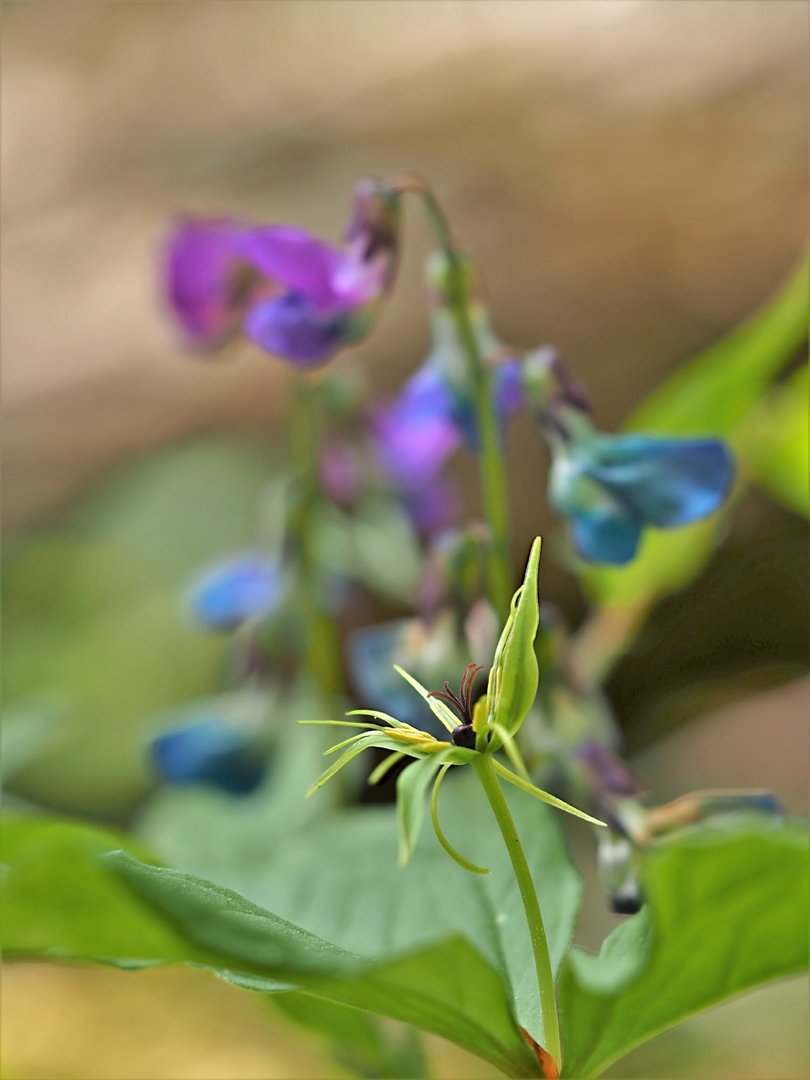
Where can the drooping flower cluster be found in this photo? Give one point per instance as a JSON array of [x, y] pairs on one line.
[[293, 295]]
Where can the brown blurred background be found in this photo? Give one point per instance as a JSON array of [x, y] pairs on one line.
[[632, 175]]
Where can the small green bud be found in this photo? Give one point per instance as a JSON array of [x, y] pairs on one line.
[[537, 373], [449, 282], [514, 676]]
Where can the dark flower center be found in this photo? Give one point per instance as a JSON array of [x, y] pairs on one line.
[[463, 735]]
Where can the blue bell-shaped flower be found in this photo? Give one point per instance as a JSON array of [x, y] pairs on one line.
[[611, 486], [209, 752], [232, 590]]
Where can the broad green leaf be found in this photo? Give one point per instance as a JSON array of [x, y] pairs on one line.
[[59, 901], [65, 898], [357, 1040], [729, 908], [412, 785], [775, 443], [338, 877], [713, 395], [446, 988], [515, 664]]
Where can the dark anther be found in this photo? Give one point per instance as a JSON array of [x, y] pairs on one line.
[[461, 703], [463, 735]]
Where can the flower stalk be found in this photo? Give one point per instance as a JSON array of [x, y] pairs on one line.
[[485, 768], [491, 460], [323, 641]]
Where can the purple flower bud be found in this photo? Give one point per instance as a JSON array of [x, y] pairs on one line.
[[339, 472], [434, 506], [297, 297], [608, 775]]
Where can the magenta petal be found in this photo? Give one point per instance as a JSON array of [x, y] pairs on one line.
[[294, 259], [202, 270], [291, 327]]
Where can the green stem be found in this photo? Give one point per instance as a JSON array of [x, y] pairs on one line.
[[542, 961], [323, 642], [491, 462]]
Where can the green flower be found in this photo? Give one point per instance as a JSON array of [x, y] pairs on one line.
[[474, 733]]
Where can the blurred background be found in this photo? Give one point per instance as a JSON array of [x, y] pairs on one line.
[[631, 174]]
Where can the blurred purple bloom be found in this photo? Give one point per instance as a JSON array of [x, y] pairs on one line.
[[417, 433], [294, 295], [233, 590], [434, 506], [607, 773], [339, 472]]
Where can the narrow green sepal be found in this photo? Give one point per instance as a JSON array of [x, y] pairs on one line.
[[436, 706], [448, 847], [412, 785], [543, 796]]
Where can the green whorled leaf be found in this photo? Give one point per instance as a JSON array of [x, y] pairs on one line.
[[775, 445], [515, 664], [222, 920], [337, 876], [65, 896], [445, 988], [713, 392], [357, 1040], [728, 903], [622, 958], [59, 901], [412, 785]]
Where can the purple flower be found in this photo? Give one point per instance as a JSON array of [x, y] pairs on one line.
[[339, 471], [293, 295], [432, 417], [416, 433]]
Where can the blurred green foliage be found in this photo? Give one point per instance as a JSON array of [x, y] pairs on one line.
[[95, 635]]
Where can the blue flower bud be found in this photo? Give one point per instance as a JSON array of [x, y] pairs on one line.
[[209, 752], [236, 589]]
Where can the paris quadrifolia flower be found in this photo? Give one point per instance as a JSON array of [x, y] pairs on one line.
[[610, 487], [474, 727], [293, 295]]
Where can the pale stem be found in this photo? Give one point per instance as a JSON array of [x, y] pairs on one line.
[[542, 961], [323, 643], [491, 462]]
